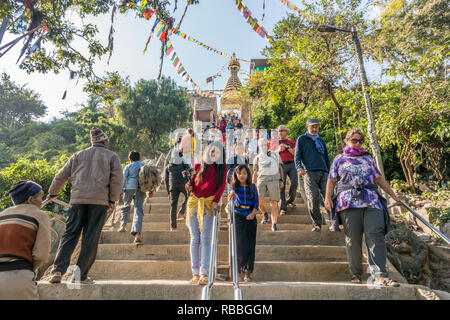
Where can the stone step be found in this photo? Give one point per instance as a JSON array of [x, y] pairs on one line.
[[165, 207], [161, 198], [181, 290], [181, 252], [288, 218], [165, 226], [178, 270], [282, 237]]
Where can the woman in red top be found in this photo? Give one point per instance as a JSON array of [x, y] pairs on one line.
[[206, 188]]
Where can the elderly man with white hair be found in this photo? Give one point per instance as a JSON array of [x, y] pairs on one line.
[[268, 177]]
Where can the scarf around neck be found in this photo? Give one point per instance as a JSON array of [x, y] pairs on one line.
[[353, 152], [319, 146]]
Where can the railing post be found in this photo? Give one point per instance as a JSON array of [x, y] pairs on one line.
[[237, 290], [206, 291]]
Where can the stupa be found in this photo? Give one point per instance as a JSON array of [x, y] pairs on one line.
[[230, 97]]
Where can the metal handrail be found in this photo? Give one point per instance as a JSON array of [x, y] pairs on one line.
[[233, 251], [418, 216], [206, 291], [159, 159]]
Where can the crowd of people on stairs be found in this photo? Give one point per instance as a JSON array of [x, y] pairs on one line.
[[249, 165]]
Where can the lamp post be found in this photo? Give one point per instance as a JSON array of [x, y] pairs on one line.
[[365, 89]]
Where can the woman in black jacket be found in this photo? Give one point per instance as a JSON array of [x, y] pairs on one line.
[[175, 184]]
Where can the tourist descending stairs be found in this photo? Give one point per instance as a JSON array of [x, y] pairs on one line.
[[292, 263]]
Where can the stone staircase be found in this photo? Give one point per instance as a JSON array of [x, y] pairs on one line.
[[292, 263]]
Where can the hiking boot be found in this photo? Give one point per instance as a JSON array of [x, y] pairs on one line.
[[265, 218]]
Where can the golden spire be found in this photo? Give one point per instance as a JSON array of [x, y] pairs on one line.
[[233, 82]]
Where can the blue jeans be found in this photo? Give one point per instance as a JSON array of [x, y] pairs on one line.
[[203, 238], [138, 198]]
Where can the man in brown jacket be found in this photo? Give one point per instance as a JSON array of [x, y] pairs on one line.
[[96, 176], [24, 242]]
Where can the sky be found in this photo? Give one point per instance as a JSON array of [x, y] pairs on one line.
[[217, 23]]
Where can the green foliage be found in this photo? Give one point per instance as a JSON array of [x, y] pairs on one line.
[[310, 72], [305, 64], [441, 195], [153, 109], [39, 171], [18, 104], [411, 36], [61, 53], [401, 186], [439, 217], [66, 46]]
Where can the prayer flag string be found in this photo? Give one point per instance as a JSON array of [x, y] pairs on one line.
[[191, 39], [247, 14], [176, 62]]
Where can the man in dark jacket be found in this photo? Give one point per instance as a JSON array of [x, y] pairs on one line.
[[312, 162], [175, 182]]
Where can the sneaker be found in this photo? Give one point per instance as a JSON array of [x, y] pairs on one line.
[[291, 205], [274, 227], [265, 218], [282, 212], [316, 229], [56, 278]]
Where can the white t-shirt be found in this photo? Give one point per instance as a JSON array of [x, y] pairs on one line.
[[268, 165]]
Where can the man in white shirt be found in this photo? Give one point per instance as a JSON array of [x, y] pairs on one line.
[[268, 177]]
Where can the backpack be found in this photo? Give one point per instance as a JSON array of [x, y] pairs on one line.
[[148, 178]]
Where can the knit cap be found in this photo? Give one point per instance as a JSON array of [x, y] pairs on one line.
[[22, 190], [97, 135]]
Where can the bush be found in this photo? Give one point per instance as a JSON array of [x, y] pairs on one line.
[[39, 171]]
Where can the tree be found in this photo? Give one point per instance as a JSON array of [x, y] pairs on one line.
[[18, 104], [411, 38], [153, 109], [25, 16], [46, 21], [39, 171], [306, 64]]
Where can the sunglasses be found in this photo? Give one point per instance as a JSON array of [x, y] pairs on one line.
[[357, 140]]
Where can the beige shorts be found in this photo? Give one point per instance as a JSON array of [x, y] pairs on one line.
[[272, 187]]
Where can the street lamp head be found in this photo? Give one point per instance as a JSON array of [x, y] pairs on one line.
[[326, 28]]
